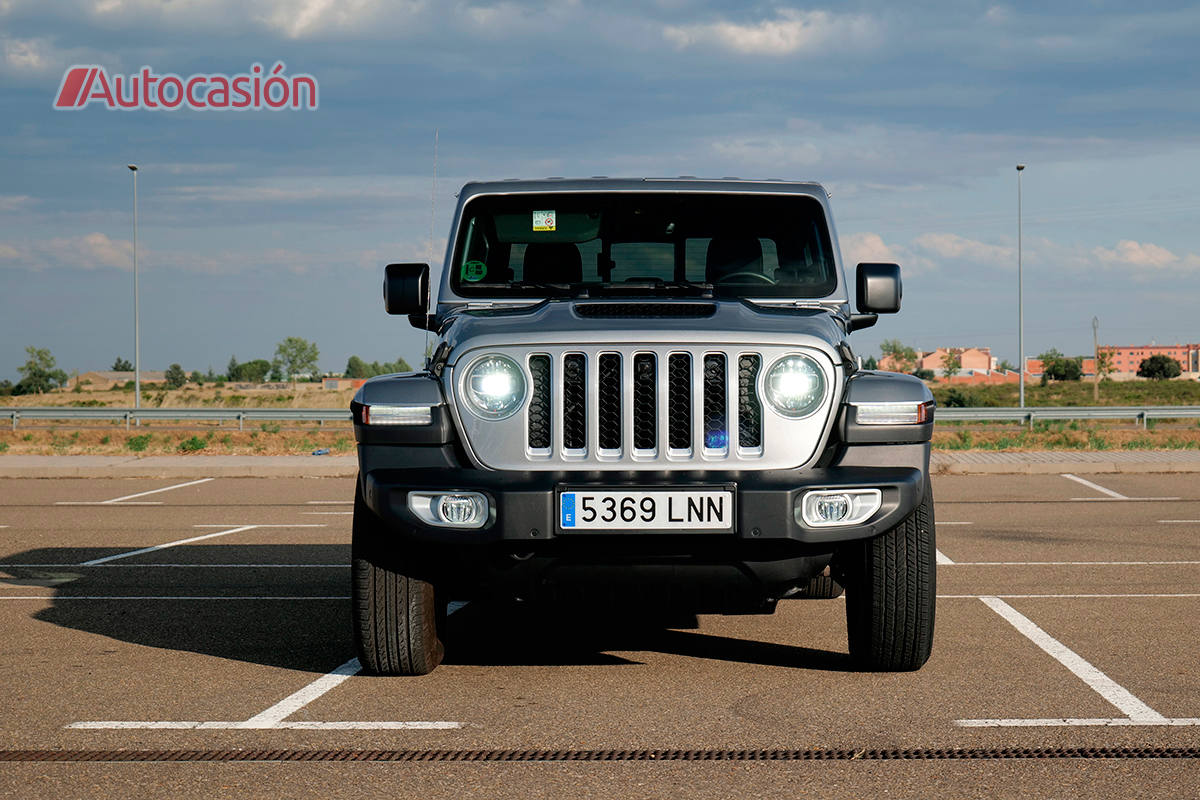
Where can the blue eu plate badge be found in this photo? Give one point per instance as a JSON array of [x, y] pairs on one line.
[[568, 510]]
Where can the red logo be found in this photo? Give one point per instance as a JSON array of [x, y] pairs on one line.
[[257, 89]]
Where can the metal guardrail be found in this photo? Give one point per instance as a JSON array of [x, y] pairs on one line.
[[130, 415], [1028, 415]]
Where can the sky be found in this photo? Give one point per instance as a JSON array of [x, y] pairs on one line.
[[256, 225]]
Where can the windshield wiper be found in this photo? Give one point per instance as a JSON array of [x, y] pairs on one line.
[[653, 287]]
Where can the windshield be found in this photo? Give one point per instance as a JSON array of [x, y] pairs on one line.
[[566, 244]]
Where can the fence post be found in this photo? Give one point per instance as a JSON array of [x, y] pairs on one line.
[[241, 417], [16, 415]]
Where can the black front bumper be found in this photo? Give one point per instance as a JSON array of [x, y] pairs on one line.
[[526, 509]]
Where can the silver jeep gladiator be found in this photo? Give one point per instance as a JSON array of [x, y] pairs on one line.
[[642, 391]]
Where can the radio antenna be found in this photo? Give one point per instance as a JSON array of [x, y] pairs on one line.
[[432, 219]]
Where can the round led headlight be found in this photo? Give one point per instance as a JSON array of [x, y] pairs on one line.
[[494, 387], [795, 386]]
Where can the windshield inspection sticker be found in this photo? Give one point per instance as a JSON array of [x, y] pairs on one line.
[[473, 271], [543, 220]]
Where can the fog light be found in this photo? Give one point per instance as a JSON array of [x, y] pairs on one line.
[[833, 507], [823, 509], [450, 509], [461, 510]]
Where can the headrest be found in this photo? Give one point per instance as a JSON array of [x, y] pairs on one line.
[[552, 262], [730, 254]]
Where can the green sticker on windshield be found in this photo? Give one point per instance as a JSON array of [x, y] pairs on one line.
[[473, 271]]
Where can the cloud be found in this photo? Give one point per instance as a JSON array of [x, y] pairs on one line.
[[1145, 256], [14, 202], [953, 246], [26, 55], [90, 251], [318, 18], [870, 247], [791, 32]]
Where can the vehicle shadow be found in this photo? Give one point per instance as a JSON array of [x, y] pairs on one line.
[[287, 606]]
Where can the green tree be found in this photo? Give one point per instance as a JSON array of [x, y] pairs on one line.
[[40, 373], [197, 378], [951, 363], [175, 376], [903, 359], [1057, 367], [6, 388], [870, 363], [231, 369], [1104, 364], [251, 371], [357, 368], [296, 356], [1006, 366], [121, 365], [1159, 367]]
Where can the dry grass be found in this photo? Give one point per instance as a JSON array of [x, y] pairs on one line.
[[268, 439], [1063, 435], [303, 395]]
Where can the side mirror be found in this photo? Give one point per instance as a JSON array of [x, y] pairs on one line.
[[879, 288], [406, 291]]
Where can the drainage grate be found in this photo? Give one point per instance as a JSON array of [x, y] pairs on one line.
[[918, 754]]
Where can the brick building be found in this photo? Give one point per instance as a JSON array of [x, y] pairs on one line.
[[1126, 358]]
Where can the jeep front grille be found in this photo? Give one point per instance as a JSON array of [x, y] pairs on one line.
[[647, 406]]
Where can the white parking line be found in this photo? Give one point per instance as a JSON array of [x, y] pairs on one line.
[[283, 525], [276, 716], [382, 725], [161, 565], [1069, 722], [178, 542], [1136, 712], [298, 700], [1160, 522], [1119, 499], [131, 496], [1097, 487], [942, 558], [1072, 563], [142, 598], [57, 597], [1066, 596]]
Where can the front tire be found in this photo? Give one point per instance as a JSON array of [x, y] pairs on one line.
[[396, 613], [891, 590]]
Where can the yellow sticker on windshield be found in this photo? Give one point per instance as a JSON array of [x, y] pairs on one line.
[[543, 220]]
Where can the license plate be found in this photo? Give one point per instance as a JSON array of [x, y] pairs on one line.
[[653, 510]]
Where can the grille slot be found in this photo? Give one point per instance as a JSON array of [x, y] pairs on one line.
[[608, 405], [574, 402], [645, 427], [749, 407], [716, 429], [539, 403], [679, 401]]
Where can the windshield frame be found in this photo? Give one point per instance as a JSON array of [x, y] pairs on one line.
[[449, 296]]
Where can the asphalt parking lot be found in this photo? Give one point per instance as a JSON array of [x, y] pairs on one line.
[[211, 615]]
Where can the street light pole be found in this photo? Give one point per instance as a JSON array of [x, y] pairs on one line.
[[1020, 296], [137, 333]]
